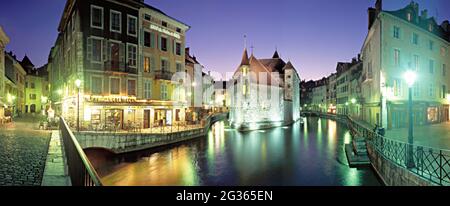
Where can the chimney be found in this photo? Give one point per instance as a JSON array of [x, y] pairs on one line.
[[446, 26], [379, 6], [424, 14]]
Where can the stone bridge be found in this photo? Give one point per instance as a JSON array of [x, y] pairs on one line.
[[135, 141]]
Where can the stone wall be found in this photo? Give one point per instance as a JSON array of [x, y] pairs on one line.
[[392, 174], [129, 142]]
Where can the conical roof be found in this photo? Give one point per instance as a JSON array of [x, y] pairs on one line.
[[276, 55], [245, 60], [288, 66], [26, 62]]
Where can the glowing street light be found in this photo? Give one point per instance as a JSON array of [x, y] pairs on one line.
[[353, 101], [410, 78]]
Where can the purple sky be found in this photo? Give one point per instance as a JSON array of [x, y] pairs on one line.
[[313, 34]]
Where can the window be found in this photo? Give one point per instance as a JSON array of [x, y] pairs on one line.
[[116, 21], [444, 92], [32, 85], [396, 57], [147, 89], [131, 87], [443, 51], [415, 39], [131, 55], [179, 67], [132, 26], [164, 65], [431, 90], [431, 45], [397, 87], [147, 17], [408, 16], [416, 62], [146, 64], [96, 17], [115, 85], [444, 70], [163, 92], [97, 50], [147, 39], [396, 32], [369, 70], [163, 44], [178, 48], [164, 24], [178, 30], [96, 84], [33, 96], [430, 27], [431, 67]]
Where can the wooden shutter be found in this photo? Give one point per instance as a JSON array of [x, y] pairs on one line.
[[104, 50], [152, 40], [152, 64], [174, 46], [89, 49], [122, 54]]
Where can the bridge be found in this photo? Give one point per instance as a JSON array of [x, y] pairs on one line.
[[81, 171]]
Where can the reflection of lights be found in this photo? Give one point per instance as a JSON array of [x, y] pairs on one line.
[[347, 138], [87, 114]]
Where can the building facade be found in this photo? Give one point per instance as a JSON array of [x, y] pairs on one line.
[[399, 41], [348, 99], [4, 40], [124, 54], [265, 93], [14, 86]]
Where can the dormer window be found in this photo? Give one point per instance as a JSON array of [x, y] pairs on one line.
[[430, 27], [408, 16], [164, 24]]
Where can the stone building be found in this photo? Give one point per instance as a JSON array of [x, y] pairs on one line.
[[398, 41], [265, 93], [4, 40], [124, 54]]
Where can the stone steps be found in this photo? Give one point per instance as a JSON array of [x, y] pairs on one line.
[[356, 153]]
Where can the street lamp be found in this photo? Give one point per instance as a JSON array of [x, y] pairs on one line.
[[410, 78], [78, 84]]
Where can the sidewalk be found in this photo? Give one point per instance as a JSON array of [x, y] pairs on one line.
[[437, 135], [56, 173]]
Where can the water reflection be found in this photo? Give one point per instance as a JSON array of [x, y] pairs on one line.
[[297, 155]]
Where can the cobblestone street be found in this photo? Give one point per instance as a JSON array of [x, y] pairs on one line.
[[23, 151]]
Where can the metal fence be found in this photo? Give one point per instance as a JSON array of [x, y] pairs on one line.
[[429, 163], [81, 171]]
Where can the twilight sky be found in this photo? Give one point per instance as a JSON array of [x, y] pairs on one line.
[[313, 34]]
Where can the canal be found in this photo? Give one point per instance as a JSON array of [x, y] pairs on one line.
[[300, 155]]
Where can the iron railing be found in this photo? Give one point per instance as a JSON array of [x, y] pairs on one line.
[[163, 75], [429, 163], [81, 171]]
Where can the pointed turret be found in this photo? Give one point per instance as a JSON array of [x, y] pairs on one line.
[[245, 60], [276, 55], [288, 66]]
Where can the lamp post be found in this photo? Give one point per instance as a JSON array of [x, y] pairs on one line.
[[78, 84], [410, 78]]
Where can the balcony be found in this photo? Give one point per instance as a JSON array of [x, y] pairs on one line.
[[163, 75], [119, 66]]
